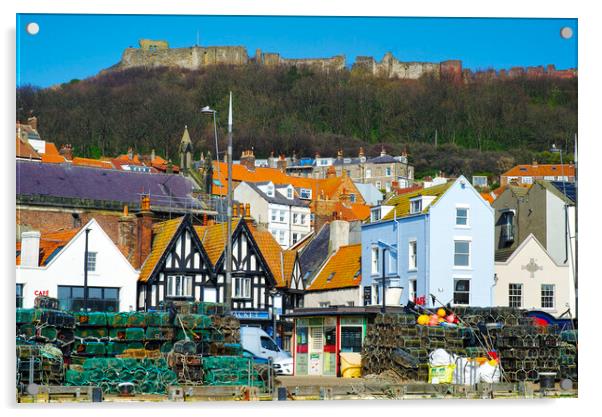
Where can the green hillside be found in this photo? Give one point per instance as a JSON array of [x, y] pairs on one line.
[[477, 127]]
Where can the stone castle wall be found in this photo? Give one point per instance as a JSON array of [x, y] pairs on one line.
[[154, 53]]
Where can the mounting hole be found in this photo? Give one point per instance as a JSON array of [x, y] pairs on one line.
[[32, 28], [566, 32]]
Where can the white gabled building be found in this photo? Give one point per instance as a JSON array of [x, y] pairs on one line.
[[279, 208], [52, 264], [531, 279]]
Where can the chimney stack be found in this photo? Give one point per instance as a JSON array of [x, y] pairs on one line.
[[30, 248], [144, 232], [33, 122], [234, 210], [247, 159], [339, 235], [383, 152], [248, 210], [67, 151], [153, 156], [130, 153], [340, 154], [127, 237]]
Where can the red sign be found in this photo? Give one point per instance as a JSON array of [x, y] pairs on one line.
[[420, 300], [40, 292]]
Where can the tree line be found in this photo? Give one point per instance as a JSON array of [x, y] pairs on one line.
[[477, 127]]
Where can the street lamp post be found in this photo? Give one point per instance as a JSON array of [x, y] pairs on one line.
[[209, 110], [88, 230], [228, 283]]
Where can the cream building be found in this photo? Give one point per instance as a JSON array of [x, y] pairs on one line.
[[531, 279]]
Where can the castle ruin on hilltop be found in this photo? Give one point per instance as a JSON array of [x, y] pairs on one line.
[[157, 53]]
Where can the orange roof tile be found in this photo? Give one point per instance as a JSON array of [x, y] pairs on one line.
[[50, 149], [289, 265], [163, 234], [92, 163], [342, 270], [541, 170], [487, 197], [24, 150], [53, 159], [50, 243], [214, 239]]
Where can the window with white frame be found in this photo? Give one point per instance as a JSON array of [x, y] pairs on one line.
[[241, 287], [461, 291], [303, 218], [388, 171], [295, 218], [461, 253], [91, 261], [289, 193], [273, 215], [515, 295], [375, 214], [305, 193], [416, 205], [281, 236], [368, 173], [374, 262], [179, 286], [461, 216], [281, 215], [295, 238], [412, 291], [547, 296], [412, 255], [270, 191], [527, 180]]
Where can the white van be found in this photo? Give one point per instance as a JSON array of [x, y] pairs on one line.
[[258, 343]]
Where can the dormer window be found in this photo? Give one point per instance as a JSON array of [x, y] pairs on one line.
[[289, 193], [375, 214], [416, 205], [305, 193], [270, 191]]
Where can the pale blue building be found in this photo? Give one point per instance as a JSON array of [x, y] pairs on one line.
[[438, 240]]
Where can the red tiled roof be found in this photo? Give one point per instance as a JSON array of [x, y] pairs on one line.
[[53, 158], [541, 170], [342, 270], [24, 150], [92, 163], [50, 243], [50, 149]]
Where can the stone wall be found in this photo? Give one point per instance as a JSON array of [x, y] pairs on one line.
[[156, 53]]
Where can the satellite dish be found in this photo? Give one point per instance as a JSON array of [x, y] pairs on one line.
[[33, 389]]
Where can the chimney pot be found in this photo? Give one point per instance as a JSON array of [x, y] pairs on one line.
[[33, 122], [30, 248]]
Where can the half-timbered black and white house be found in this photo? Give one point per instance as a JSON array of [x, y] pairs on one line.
[[187, 262]]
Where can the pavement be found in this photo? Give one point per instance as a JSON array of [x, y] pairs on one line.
[[315, 380]]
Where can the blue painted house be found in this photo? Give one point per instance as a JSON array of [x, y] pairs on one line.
[[437, 240]]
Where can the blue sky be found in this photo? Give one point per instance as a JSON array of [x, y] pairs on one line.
[[79, 46]]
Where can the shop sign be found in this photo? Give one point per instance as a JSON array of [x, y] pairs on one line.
[[251, 315]]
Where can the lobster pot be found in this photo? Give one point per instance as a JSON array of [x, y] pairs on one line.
[[159, 333], [194, 321], [91, 332], [91, 319], [27, 331], [28, 315], [90, 348], [158, 319]]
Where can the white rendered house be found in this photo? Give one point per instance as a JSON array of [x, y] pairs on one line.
[[531, 279], [53, 265], [279, 208]]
